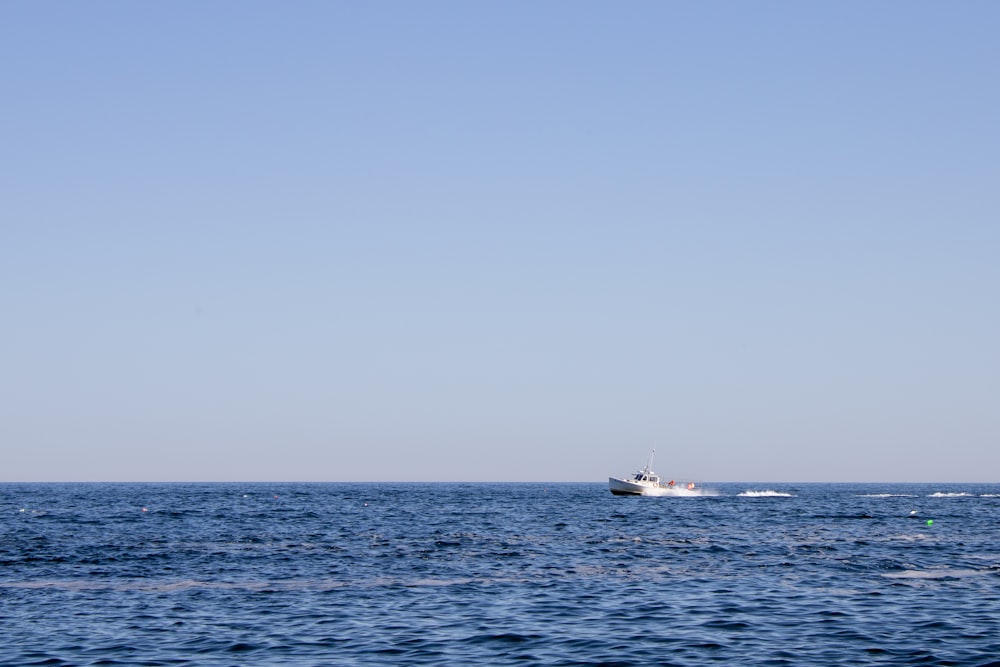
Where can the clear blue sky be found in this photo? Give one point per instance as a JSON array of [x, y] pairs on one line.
[[499, 240]]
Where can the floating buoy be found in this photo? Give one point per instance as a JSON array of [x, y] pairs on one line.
[[930, 522]]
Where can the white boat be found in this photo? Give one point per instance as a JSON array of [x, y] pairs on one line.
[[645, 482]]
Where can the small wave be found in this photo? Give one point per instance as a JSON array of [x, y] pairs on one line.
[[887, 495], [942, 573], [766, 493], [942, 494]]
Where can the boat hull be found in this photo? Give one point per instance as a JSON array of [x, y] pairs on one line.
[[621, 487]]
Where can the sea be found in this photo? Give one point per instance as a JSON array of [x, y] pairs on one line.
[[498, 574]]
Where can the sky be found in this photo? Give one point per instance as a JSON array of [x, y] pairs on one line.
[[499, 241]]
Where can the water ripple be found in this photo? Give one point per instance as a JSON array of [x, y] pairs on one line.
[[499, 574]]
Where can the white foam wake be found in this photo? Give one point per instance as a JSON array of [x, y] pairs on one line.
[[680, 491], [766, 493]]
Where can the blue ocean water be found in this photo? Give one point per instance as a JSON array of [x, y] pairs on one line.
[[498, 574]]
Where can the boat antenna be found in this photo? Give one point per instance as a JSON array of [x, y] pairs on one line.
[[649, 466]]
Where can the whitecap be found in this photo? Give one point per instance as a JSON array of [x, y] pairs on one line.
[[941, 494], [766, 493]]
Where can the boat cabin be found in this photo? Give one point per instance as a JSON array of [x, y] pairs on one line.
[[646, 477]]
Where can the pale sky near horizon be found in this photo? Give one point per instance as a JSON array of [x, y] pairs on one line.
[[499, 241]]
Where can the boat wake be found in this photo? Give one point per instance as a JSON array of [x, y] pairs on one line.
[[766, 493], [681, 492]]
